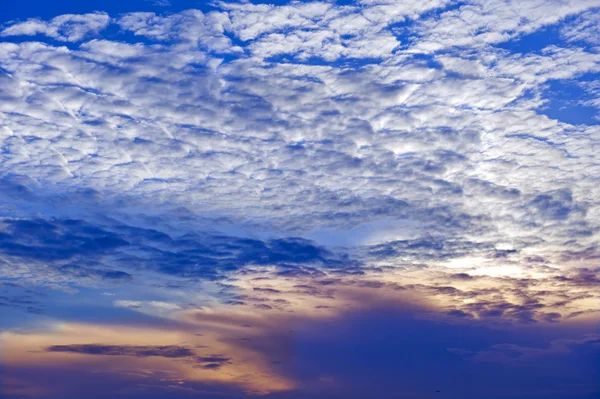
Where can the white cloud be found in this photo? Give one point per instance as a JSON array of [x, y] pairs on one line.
[[65, 28], [194, 130], [584, 28], [322, 30], [190, 27], [483, 22]]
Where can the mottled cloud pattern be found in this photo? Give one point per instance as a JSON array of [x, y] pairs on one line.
[[220, 175]]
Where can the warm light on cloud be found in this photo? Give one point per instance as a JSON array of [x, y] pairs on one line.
[[247, 370], [306, 199]]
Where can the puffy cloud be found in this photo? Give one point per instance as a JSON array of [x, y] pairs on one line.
[[191, 27], [320, 30], [251, 165], [64, 28], [375, 153], [483, 22]]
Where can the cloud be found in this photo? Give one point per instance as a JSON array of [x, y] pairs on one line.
[[65, 250], [555, 205], [316, 158], [160, 3], [213, 362], [519, 355], [255, 163], [64, 28], [583, 29], [484, 22], [191, 155], [191, 27], [167, 351]]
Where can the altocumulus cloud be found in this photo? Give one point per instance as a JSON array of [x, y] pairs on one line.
[[305, 150], [223, 135]]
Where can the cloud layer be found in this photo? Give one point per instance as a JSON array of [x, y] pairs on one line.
[[246, 168]]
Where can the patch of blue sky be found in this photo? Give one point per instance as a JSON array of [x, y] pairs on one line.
[[534, 42], [429, 60], [547, 36], [568, 101], [114, 32]]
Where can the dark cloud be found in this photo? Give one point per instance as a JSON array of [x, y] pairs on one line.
[[85, 250], [213, 362], [461, 276], [44, 240], [459, 313], [17, 296], [88, 271], [267, 290], [582, 277], [168, 351]]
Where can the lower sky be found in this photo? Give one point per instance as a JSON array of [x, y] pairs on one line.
[[300, 199]]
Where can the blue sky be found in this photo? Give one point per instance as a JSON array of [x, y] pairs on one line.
[[287, 200]]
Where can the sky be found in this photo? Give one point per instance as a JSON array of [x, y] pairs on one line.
[[300, 199]]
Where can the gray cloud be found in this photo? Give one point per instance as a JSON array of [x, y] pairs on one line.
[[209, 362], [168, 351]]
